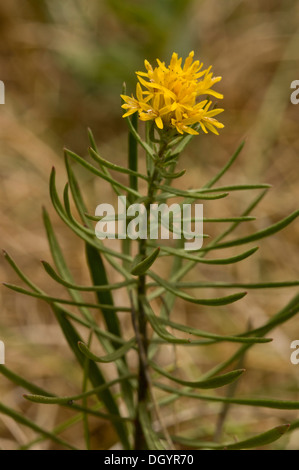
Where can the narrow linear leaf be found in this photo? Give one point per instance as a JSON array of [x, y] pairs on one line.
[[214, 382], [95, 375], [228, 219], [21, 419], [113, 166], [208, 302], [172, 192], [158, 327], [76, 228], [142, 267], [72, 337], [133, 155], [143, 144], [169, 175], [204, 334], [196, 193], [182, 143], [103, 168], [76, 193], [50, 299], [45, 395], [257, 441], [233, 285], [197, 259], [226, 167], [281, 317], [254, 402], [258, 235], [102, 175], [102, 288], [54, 400], [23, 383], [99, 277], [120, 352], [20, 273]]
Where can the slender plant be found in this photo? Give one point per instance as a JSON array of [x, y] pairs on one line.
[[176, 103]]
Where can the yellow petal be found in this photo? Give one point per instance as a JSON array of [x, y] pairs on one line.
[[159, 122], [131, 111]]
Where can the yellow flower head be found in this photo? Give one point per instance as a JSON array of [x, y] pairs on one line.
[[170, 96]]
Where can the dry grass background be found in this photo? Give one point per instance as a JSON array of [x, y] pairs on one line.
[[63, 64]]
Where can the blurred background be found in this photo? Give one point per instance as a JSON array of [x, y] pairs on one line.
[[63, 65]]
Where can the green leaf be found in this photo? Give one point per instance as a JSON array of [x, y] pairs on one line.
[[227, 219], [208, 302], [158, 327], [183, 142], [120, 352], [51, 299], [102, 288], [95, 375], [141, 267], [65, 273], [233, 285], [20, 273], [99, 277], [21, 382], [73, 337], [101, 174], [169, 175], [226, 167], [197, 193], [204, 334], [214, 382], [120, 169], [254, 402], [237, 187], [281, 317], [256, 441], [101, 334], [169, 191], [49, 398], [76, 227], [103, 168], [278, 319], [21, 419], [76, 193], [92, 140], [69, 401], [198, 259], [137, 137], [258, 235], [133, 156], [109, 255]]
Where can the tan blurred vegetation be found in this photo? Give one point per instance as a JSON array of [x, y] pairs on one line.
[[63, 64]]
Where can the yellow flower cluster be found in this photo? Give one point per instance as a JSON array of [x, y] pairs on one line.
[[170, 96]]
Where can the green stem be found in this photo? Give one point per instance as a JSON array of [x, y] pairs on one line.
[[140, 321]]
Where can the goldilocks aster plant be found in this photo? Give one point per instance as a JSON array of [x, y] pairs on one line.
[[175, 102]]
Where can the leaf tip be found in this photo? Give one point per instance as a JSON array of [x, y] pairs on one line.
[[283, 428]]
